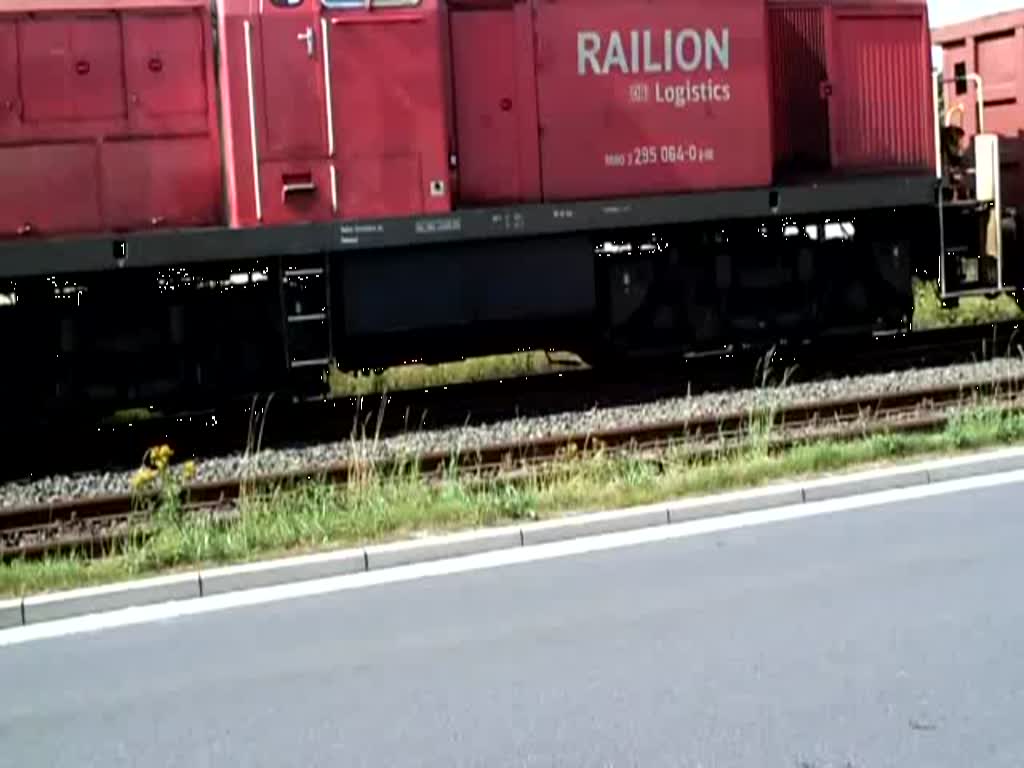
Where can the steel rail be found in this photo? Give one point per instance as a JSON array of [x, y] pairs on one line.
[[94, 523]]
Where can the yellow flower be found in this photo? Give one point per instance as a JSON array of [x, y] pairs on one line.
[[189, 469], [143, 477], [160, 456]]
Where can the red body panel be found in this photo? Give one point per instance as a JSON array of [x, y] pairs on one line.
[[165, 63], [685, 107], [358, 113], [49, 189], [579, 100], [800, 117], [992, 47], [391, 130], [70, 69], [881, 117], [495, 89], [292, 95], [108, 121], [159, 182], [852, 84]]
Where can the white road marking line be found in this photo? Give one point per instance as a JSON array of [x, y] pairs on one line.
[[262, 596]]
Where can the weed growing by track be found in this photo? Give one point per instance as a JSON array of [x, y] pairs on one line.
[[417, 376], [975, 310], [375, 507]]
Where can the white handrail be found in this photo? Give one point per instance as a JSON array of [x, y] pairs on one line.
[[328, 94], [252, 121]]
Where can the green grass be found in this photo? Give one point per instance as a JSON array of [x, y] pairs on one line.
[[976, 310], [316, 516], [418, 376], [129, 416]]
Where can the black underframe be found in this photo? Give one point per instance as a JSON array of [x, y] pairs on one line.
[[29, 257]]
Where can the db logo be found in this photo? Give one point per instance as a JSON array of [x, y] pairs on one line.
[[639, 93]]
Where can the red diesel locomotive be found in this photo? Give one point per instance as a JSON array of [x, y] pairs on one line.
[[202, 200]]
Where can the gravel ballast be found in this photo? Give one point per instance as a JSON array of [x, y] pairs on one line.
[[468, 438]]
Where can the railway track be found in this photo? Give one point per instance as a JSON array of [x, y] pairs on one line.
[[69, 448], [94, 523]]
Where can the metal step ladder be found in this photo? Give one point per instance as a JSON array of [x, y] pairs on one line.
[[306, 311], [971, 213]]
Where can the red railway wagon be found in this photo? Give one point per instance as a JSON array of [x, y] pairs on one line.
[[991, 48], [428, 179], [108, 116], [983, 124], [332, 111]]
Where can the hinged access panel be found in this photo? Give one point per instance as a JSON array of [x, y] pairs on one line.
[[851, 87], [800, 90], [165, 70], [387, 86], [495, 94], [71, 68], [878, 82], [293, 92]]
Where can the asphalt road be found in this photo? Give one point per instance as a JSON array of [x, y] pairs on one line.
[[879, 637]]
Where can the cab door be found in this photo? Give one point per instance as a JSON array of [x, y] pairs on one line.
[[880, 108], [484, 70], [293, 80]]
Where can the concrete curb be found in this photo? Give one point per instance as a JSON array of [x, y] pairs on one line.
[[11, 614], [734, 503], [50, 607], [63, 605], [871, 482], [442, 547], [595, 524], [270, 573]]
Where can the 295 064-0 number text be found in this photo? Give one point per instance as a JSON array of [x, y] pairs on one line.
[[665, 154]]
